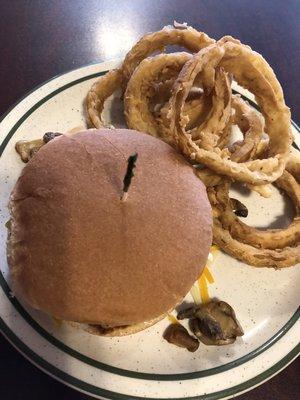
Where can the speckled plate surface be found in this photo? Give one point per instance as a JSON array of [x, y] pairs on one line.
[[144, 365]]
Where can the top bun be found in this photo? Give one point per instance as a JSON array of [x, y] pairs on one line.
[[80, 254]]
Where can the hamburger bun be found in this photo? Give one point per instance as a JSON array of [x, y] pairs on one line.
[[78, 253]]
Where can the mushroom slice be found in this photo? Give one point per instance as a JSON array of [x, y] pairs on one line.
[[50, 136], [239, 208], [178, 335], [27, 149], [188, 312], [213, 323]]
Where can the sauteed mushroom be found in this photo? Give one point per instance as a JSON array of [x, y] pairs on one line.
[[28, 148], [178, 335], [239, 208], [213, 323], [50, 136]]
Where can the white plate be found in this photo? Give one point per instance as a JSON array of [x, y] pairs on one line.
[[144, 365]]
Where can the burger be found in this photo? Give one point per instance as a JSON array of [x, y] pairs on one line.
[[79, 253]]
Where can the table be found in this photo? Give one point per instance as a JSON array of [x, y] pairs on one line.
[[40, 39]]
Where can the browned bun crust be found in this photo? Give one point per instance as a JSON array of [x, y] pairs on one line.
[[80, 254]]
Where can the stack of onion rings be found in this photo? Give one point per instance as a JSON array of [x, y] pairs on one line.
[[251, 71], [186, 100], [188, 38]]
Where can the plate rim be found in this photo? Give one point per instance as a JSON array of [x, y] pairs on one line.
[[265, 374], [93, 390]]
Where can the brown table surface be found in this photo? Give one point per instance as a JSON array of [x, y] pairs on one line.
[[40, 39]]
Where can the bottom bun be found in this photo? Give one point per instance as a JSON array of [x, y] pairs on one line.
[[122, 330]]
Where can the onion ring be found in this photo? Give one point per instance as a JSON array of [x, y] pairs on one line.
[[210, 132], [197, 110], [270, 247], [293, 164], [137, 101], [196, 107], [98, 94], [254, 73], [189, 38], [278, 258], [269, 238], [251, 124]]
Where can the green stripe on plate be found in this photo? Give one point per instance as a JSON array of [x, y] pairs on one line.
[[143, 375], [94, 390]]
